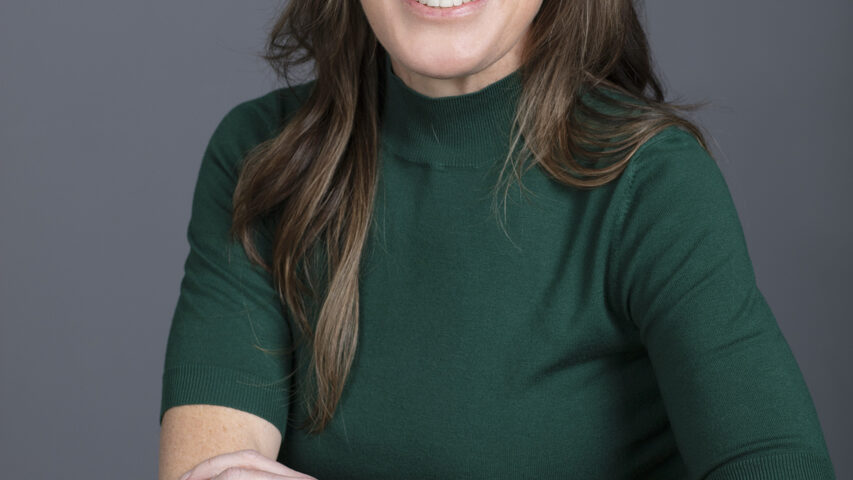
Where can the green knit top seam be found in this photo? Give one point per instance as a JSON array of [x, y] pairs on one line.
[[631, 171]]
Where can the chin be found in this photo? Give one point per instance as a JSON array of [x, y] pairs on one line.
[[437, 64]]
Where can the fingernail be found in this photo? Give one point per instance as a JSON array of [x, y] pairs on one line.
[[186, 475]]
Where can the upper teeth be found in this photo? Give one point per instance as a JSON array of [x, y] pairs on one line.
[[443, 3]]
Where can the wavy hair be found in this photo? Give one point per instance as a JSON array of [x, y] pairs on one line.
[[317, 177]]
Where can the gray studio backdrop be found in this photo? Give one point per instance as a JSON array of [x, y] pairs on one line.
[[106, 107]]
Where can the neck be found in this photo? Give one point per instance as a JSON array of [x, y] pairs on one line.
[[467, 130]]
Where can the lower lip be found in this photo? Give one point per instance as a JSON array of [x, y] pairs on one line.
[[449, 12]]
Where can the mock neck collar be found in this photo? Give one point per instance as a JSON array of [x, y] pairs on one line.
[[469, 130]]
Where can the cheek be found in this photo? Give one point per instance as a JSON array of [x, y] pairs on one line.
[[526, 10], [379, 15]]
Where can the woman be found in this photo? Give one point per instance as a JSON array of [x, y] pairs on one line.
[[479, 245]]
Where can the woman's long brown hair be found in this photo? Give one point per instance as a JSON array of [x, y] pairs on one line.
[[317, 177]]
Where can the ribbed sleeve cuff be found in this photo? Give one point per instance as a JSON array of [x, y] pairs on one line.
[[782, 466], [211, 385]]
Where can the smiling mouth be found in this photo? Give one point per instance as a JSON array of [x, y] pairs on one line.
[[443, 3]]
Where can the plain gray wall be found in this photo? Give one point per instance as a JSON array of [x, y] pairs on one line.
[[106, 107]]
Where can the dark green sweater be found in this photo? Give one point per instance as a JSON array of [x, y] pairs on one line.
[[613, 333]]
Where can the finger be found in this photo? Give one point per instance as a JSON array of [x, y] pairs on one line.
[[239, 473], [244, 458]]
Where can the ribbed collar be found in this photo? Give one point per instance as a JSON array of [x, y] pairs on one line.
[[470, 130]]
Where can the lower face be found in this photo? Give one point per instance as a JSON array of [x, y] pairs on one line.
[[451, 49]]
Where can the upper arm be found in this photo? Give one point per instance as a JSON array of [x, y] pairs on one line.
[[226, 378], [733, 391], [190, 434]]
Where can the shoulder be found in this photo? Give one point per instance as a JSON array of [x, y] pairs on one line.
[[242, 128], [673, 183], [673, 159], [673, 147], [671, 138], [250, 123], [675, 207], [256, 119]]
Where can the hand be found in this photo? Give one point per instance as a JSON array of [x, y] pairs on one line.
[[242, 465]]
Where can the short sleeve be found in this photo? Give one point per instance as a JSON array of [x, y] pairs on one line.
[[229, 339], [736, 399]]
